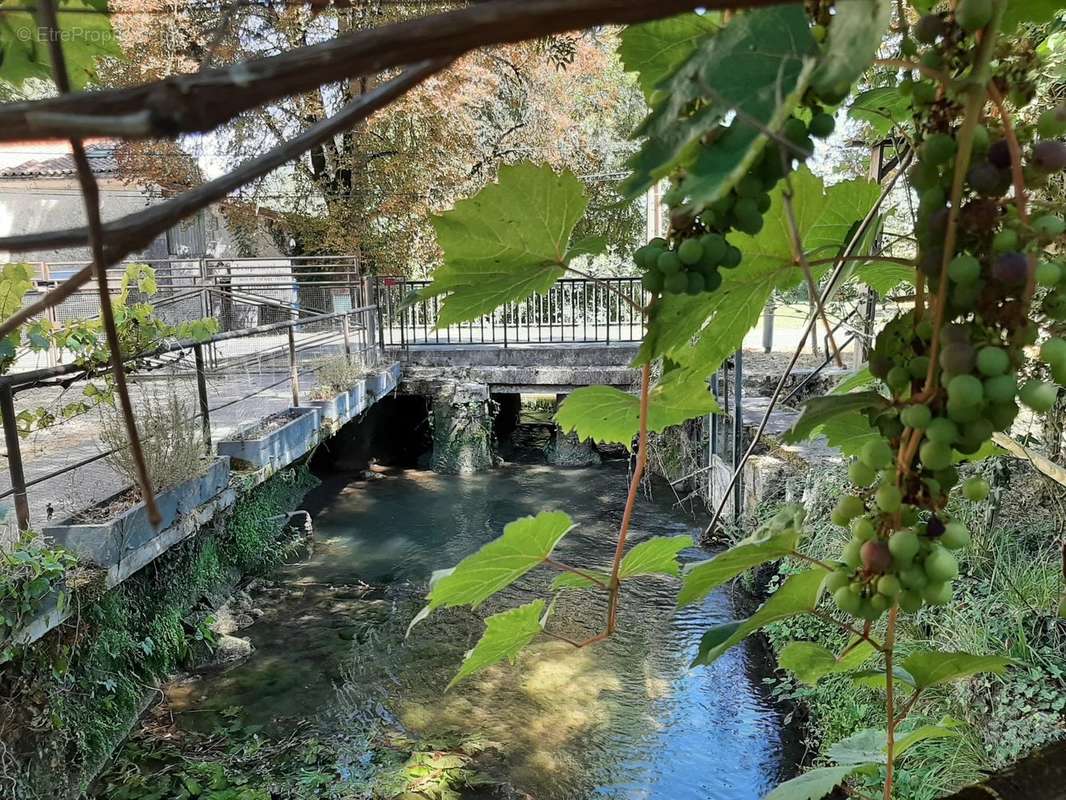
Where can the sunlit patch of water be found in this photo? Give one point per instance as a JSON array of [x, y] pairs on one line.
[[623, 719]]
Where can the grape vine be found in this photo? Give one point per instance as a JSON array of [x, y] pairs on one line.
[[736, 113]]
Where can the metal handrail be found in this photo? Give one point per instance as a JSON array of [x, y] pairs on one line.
[[9, 384], [25, 380], [573, 310]]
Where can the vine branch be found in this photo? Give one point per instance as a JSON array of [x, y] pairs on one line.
[[551, 562], [631, 499], [91, 197], [201, 101]]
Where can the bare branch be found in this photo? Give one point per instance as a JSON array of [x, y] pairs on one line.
[[201, 101], [91, 195], [136, 231]]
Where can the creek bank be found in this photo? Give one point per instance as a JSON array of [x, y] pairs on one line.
[[69, 699]]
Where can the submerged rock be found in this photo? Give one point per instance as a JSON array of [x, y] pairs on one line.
[[229, 650], [567, 450]]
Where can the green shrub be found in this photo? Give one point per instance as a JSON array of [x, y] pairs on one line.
[[1006, 602], [81, 686]]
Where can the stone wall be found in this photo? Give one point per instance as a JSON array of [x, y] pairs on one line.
[[462, 429]]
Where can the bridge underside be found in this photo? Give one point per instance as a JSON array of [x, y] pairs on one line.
[[532, 369]]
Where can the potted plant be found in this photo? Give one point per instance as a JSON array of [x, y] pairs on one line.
[[274, 441], [383, 381], [339, 394], [183, 476]]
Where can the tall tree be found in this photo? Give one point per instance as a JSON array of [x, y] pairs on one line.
[[372, 189]]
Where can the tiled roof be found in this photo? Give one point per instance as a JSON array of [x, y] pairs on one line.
[[101, 159]]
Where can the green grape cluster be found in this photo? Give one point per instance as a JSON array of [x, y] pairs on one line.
[[954, 377], [691, 267], [697, 249], [894, 555]]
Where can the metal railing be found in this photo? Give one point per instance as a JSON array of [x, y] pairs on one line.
[[238, 293], [573, 311], [288, 348]]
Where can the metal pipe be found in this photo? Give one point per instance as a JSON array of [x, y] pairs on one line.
[[768, 328], [24, 379], [347, 339]]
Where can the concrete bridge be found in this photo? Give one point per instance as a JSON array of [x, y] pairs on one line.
[[524, 369]]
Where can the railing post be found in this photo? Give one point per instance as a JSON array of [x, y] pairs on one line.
[[607, 299], [14, 457], [201, 391], [378, 316], [347, 338], [294, 375], [505, 324]]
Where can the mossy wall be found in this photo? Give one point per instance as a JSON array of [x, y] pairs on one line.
[[462, 431], [69, 699]]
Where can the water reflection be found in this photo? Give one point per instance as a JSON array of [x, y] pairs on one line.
[[624, 719]]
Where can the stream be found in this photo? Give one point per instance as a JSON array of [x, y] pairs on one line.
[[625, 718]]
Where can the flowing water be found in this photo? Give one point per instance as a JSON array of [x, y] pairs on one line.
[[625, 718]]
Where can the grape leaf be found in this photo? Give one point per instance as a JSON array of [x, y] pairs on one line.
[[934, 667], [854, 38], [797, 595], [883, 276], [875, 678], [506, 242], [718, 321], [654, 49], [861, 378], [944, 729], [15, 280], [848, 433], [572, 580], [525, 544], [862, 747], [817, 411], [85, 36], [757, 66], [813, 784], [607, 414], [810, 662], [505, 635], [655, 556], [1035, 12], [701, 577], [882, 109]]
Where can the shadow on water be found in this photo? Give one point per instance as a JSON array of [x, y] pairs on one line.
[[623, 719]]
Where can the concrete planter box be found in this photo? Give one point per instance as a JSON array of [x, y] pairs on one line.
[[381, 383], [276, 448], [107, 543], [337, 408], [357, 400]]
